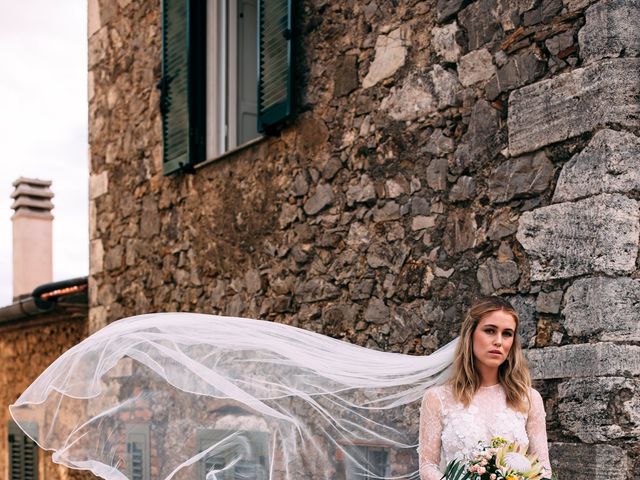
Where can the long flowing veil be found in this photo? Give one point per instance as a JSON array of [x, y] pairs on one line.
[[191, 396]]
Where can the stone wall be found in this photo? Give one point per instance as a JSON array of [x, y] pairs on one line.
[[440, 150], [25, 352]]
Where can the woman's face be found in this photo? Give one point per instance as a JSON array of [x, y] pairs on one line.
[[493, 338]]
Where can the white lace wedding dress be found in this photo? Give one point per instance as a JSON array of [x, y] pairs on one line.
[[448, 430]]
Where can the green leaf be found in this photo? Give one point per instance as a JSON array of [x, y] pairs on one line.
[[456, 470]]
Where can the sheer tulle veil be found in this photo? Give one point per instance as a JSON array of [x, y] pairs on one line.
[[191, 396]]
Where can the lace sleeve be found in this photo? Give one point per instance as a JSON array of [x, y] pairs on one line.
[[430, 436], [537, 431]]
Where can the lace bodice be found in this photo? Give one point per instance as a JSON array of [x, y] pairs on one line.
[[448, 430]]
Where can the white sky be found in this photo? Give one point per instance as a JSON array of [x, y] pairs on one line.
[[43, 123]]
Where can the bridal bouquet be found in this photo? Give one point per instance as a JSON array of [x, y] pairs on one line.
[[497, 460]]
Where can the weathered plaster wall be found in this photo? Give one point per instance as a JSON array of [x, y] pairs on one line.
[[441, 150], [25, 352]]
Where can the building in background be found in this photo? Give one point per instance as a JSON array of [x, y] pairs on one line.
[[45, 319]]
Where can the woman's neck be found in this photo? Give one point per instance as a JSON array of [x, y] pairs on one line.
[[488, 376]]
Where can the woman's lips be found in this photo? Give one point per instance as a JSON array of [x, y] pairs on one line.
[[494, 352]]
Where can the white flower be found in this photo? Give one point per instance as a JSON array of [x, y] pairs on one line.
[[518, 462]]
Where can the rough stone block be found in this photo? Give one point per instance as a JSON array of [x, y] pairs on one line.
[[559, 42], [549, 302], [573, 103], [543, 13], [584, 360], [445, 9], [391, 54], [609, 164], [444, 42], [419, 98], [461, 232], [437, 173], [605, 462], [323, 197], [464, 189], [503, 224], [483, 140], [602, 306], [475, 67], [439, 144], [479, 22], [525, 305], [521, 69], [362, 192], [98, 184], [412, 100], [611, 30], [93, 17], [96, 256], [571, 239], [600, 409], [346, 77], [494, 275], [528, 174]]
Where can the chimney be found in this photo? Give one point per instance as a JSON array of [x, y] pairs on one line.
[[32, 235]]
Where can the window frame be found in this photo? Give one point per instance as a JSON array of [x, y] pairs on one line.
[[193, 139], [349, 469], [210, 436], [139, 434]]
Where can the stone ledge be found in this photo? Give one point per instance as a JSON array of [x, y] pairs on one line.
[[572, 239], [611, 30], [585, 360], [605, 462], [606, 307], [600, 409], [609, 164], [585, 99]]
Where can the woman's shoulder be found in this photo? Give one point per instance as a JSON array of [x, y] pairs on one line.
[[536, 400], [439, 392], [534, 395]]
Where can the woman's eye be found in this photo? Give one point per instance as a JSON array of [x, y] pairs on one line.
[[489, 330], [508, 334]]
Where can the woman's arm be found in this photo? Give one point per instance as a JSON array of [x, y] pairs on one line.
[[430, 433], [537, 431]]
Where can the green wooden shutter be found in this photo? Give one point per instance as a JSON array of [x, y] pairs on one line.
[[183, 84], [275, 93], [23, 455]]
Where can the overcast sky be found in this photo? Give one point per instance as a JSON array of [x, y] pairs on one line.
[[43, 123]]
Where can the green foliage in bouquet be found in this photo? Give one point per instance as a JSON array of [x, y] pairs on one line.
[[456, 470], [497, 460]]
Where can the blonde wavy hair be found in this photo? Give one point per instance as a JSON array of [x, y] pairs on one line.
[[513, 374]]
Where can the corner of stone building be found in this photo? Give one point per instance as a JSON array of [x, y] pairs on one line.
[[487, 147]]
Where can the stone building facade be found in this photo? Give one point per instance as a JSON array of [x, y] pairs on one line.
[[439, 150], [31, 338]]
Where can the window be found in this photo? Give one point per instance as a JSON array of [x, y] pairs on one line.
[[376, 458], [226, 75], [254, 465], [23, 455], [232, 75], [138, 452]]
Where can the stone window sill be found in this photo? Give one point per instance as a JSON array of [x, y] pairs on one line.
[[231, 152]]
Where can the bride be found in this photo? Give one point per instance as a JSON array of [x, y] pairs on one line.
[[171, 396], [489, 394]]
